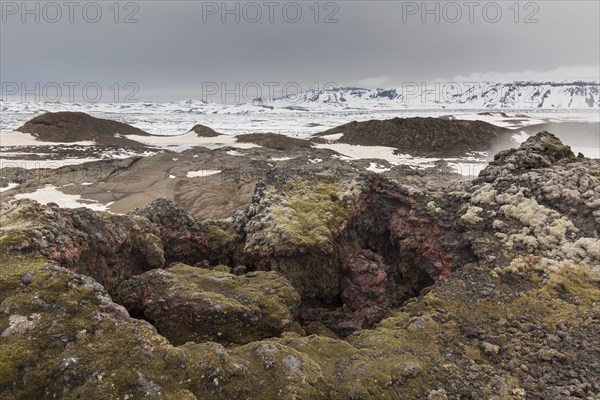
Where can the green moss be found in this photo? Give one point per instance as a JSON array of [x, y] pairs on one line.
[[222, 241], [220, 233], [472, 353], [12, 269], [311, 213], [15, 237], [477, 312], [401, 350], [322, 204], [108, 349], [27, 211], [277, 371], [116, 355], [13, 353], [193, 304]]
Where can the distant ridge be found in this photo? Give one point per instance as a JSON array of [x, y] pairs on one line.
[[517, 95], [471, 95]]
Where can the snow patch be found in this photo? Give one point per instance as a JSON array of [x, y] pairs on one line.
[[50, 194], [202, 173], [377, 168], [16, 138], [11, 185], [187, 141], [333, 137]]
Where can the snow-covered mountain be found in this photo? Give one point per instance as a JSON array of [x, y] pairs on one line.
[[486, 95], [578, 95], [311, 109]]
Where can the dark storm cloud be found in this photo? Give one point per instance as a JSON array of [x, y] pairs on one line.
[[175, 47]]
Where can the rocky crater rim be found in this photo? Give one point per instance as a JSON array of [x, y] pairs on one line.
[[372, 252], [506, 266]]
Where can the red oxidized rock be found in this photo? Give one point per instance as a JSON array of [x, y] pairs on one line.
[[365, 281]]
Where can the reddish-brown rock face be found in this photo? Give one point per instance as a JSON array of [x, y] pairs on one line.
[[183, 237], [421, 237], [364, 297], [365, 281], [391, 247], [106, 247], [111, 248], [388, 247]]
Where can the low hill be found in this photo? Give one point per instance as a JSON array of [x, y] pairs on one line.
[[424, 136], [204, 131], [69, 127]]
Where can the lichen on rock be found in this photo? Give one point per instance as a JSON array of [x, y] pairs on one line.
[[303, 213]]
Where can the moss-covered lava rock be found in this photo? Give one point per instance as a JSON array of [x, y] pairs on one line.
[[188, 304], [487, 289], [107, 247]]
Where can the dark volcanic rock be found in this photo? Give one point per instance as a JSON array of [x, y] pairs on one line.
[[329, 231], [364, 295], [273, 141], [434, 137], [69, 126], [192, 304], [184, 238], [109, 248], [487, 289], [540, 151], [204, 131]]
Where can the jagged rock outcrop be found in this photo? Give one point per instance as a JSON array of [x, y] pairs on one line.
[[543, 177], [188, 304], [291, 224], [62, 336], [107, 247], [433, 137], [183, 237], [68, 126], [509, 311], [540, 151]]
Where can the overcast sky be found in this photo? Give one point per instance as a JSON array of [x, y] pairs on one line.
[[176, 50]]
